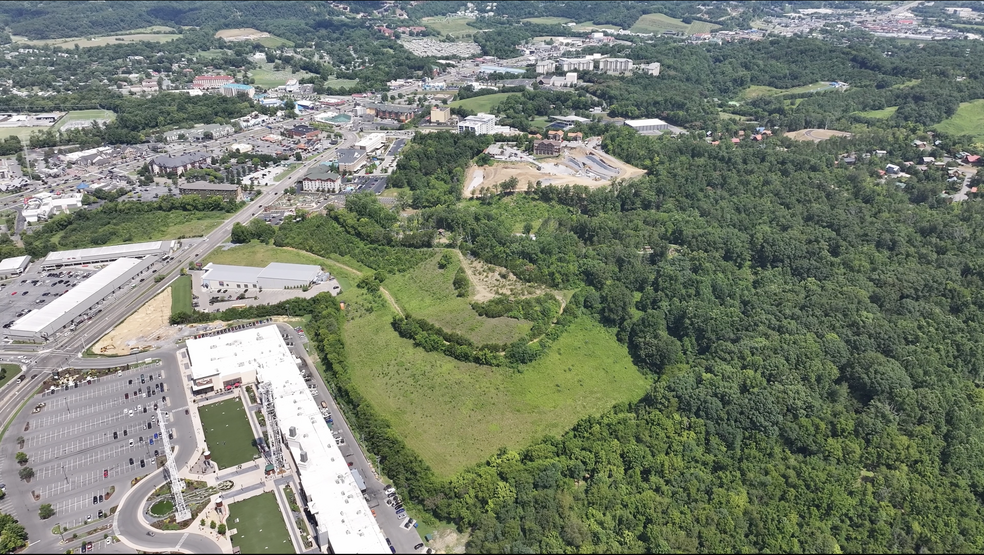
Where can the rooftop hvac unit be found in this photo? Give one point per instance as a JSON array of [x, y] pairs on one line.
[[304, 457], [293, 431]]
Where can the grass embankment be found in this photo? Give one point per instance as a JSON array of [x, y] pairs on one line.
[[258, 255], [968, 120], [9, 372], [549, 20], [755, 91], [481, 103], [426, 292], [456, 414], [181, 296], [228, 434], [259, 525]]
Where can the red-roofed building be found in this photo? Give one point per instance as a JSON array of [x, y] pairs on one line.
[[386, 31], [972, 159], [411, 30], [735, 140], [211, 81]]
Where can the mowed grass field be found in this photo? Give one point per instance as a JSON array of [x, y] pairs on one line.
[[968, 120], [481, 103], [455, 414], [86, 42], [85, 115], [181, 296], [228, 434], [880, 114], [548, 20], [455, 26], [259, 525], [755, 91], [10, 371], [258, 255], [267, 78], [657, 23], [426, 292]]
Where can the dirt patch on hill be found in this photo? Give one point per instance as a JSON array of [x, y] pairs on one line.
[[489, 281], [448, 541], [240, 34], [145, 327], [553, 171], [816, 135]]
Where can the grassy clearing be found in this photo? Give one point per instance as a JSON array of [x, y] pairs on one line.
[[968, 120], [339, 83], [426, 292], [181, 296], [22, 133], [589, 26], [761, 90], [227, 433], [455, 26], [548, 20], [909, 83], [481, 103], [196, 228], [275, 42], [456, 414], [884, 113], [728, 115], [657, 23], [209, 54], [85, 115], [267, 78], [258, 255], [259, 525], [10, 371], [87, 42]]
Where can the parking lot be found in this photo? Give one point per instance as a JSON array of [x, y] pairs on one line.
[[91, 437], [30, 292]]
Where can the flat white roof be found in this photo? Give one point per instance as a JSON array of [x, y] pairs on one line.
[[225, 272], [299, 272], [333, 495], [14, 263], [644, 122], [100, 252], [80, 294]]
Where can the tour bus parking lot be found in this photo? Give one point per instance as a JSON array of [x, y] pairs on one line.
[[95, 436]]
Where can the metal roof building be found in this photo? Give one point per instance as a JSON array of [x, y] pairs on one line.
[[276, 275], [344, 519], [60, 312], [13, 266], [106, 254], [647, 125]]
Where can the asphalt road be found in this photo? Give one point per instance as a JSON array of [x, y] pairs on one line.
[[65, 350]]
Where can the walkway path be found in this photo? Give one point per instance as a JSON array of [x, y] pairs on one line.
[[382, 290]]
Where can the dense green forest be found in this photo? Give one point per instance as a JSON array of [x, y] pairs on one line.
[[810, 330]]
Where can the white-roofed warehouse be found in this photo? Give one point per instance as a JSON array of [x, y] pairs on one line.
[[60, 312], [97, 255], [647, 125], [276, 275], [13, 266], [344, 519]]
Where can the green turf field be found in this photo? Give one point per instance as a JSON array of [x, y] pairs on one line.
[[259, 525], [227, 433], [181, 296], [969, 120], [481, 103], [456, 414], [85, 115]]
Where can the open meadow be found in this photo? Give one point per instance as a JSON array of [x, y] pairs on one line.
[[884, 113], [455, 414], [181, 296], [657, 23], [426, 292], [267, 77], [481, 103], [86, 42], [85, 115], [454, 26], [548, 20], [968, 120], [755, 91]]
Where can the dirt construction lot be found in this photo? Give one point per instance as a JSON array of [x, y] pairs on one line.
[[146, 326], [240, 34], [816, 135], [554, 172]]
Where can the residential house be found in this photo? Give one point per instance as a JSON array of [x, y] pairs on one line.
[[546, 148], [973, 159]]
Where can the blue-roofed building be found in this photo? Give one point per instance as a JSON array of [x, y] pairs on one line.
[[233, 89], [81, 186]]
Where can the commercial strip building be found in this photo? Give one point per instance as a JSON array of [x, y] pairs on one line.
[[41, 323], [371, 142], [351, 160], [481, 124], [178, 164], [276, 275], [647, 125], [344, 521], [392, 111], [228, 191], [10, 267], [43, 205], [99, 255]]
